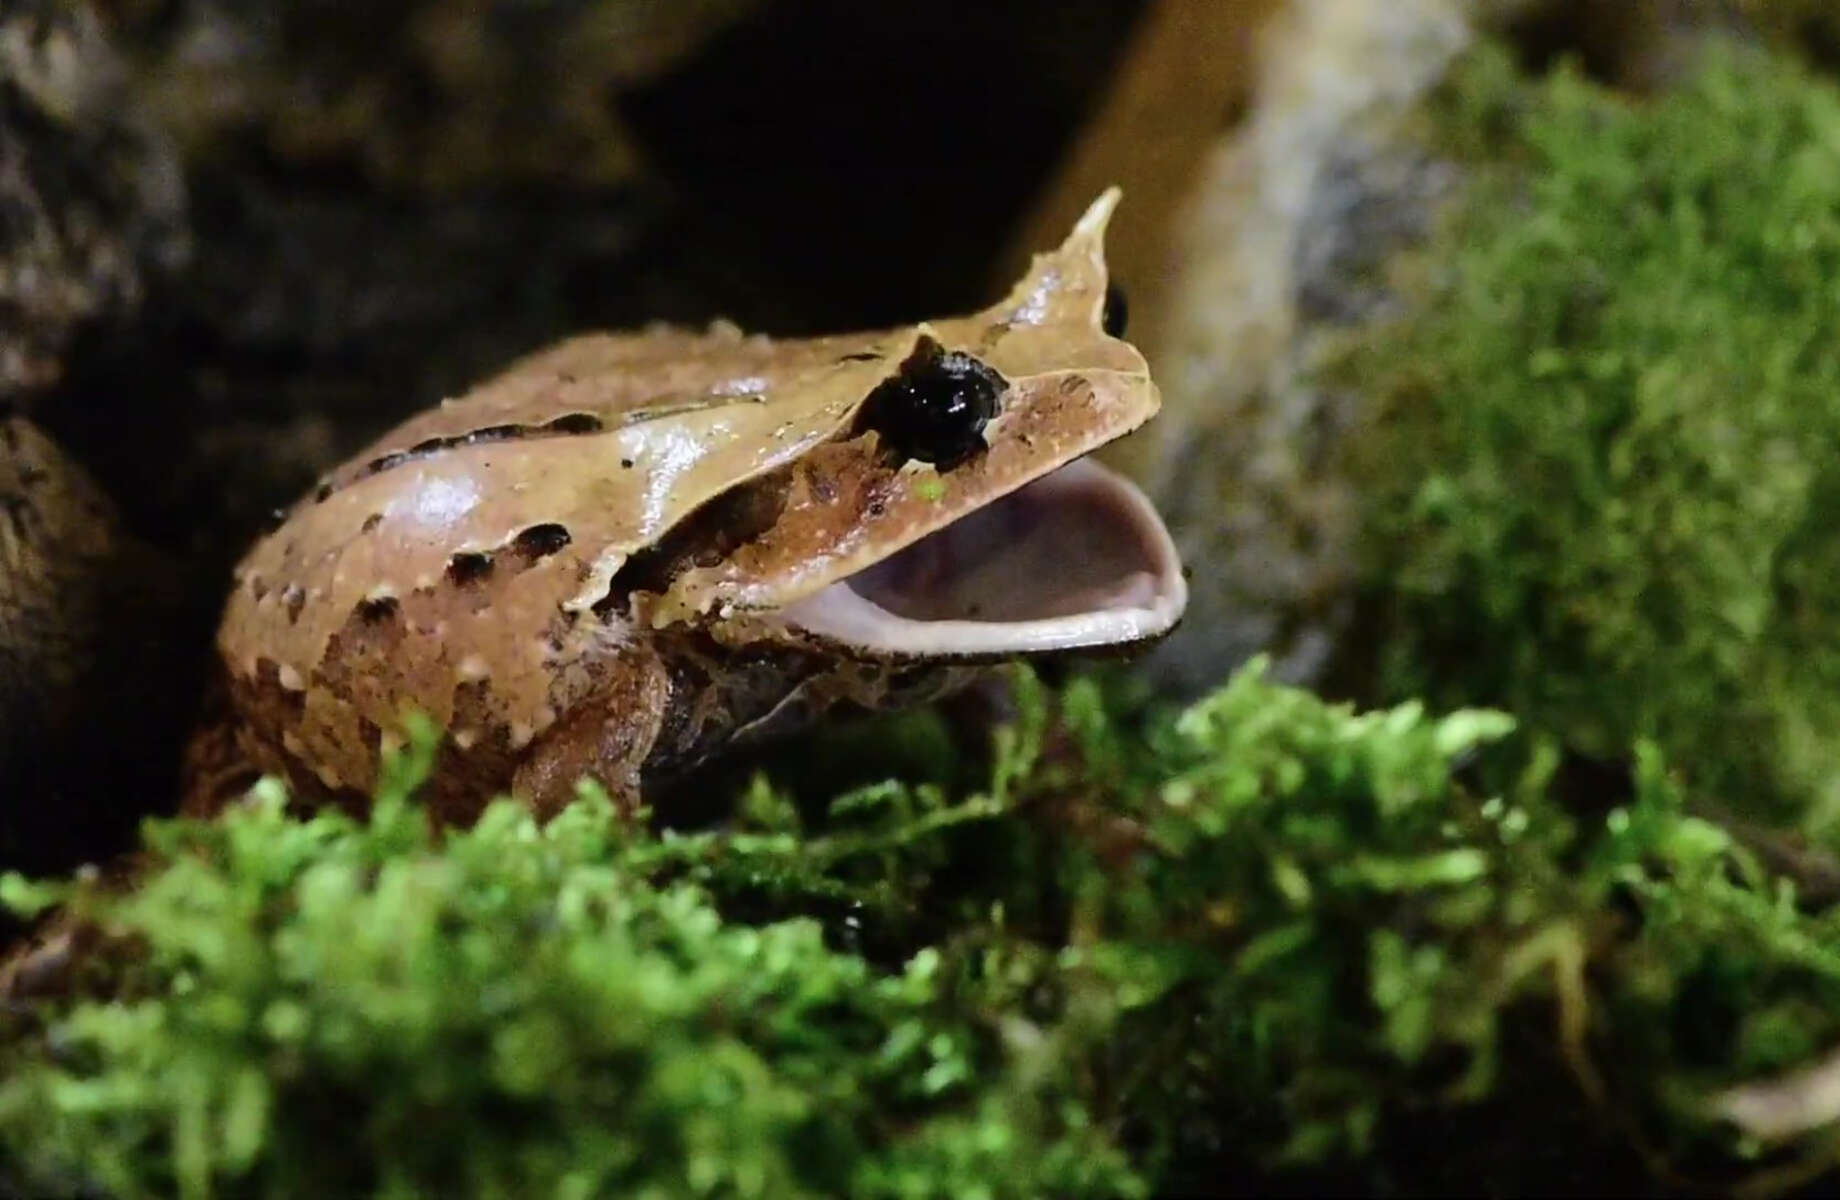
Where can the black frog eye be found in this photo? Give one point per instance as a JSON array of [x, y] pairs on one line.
[[935, 408], [1116, 313]]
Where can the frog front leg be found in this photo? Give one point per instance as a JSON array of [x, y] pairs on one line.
[[605, 738]]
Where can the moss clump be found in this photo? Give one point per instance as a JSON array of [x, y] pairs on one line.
[[1604, 462], [333, 1008], [1257, 935]]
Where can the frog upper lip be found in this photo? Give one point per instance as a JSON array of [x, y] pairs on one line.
[[1076, 559]]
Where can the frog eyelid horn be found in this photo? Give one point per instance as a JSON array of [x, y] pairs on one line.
[[1082, 253]]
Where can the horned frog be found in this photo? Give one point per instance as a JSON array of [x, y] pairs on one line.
[[629, 552]]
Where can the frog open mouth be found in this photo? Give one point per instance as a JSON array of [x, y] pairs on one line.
[[1077, 559]]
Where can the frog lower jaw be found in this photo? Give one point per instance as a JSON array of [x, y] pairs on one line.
[[1075, 560]]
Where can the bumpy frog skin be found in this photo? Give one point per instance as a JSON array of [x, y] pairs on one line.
[[628, 552]]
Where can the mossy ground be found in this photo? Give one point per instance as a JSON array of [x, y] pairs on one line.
[[1151, 948], [1264, 941]]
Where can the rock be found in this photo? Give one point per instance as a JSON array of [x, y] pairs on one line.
[[89, 685], [1280, 247], [91, 198], [57, 541], [428, 94], [92, 216]]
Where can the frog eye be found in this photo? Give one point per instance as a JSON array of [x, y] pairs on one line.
[[936, 407]]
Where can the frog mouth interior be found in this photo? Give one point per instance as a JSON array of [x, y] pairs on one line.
[[1075, 559]]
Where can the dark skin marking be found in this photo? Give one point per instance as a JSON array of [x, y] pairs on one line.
[[704, 538], [540, 541], [468, 566], [567, 425], [575, 424], [379, 609]]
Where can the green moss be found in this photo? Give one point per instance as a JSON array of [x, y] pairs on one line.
[[1151, 946], [332, 1008], [1604, 462]]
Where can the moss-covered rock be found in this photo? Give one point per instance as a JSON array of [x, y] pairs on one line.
[[1603, 443]]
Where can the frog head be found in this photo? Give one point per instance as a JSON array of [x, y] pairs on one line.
[[950, 512]]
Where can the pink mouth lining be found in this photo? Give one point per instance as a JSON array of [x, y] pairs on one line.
[[1076, 559]]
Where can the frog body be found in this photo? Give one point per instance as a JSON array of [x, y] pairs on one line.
[[628, 552]]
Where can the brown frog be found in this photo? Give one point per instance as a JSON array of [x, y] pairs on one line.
[[629, 552]]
